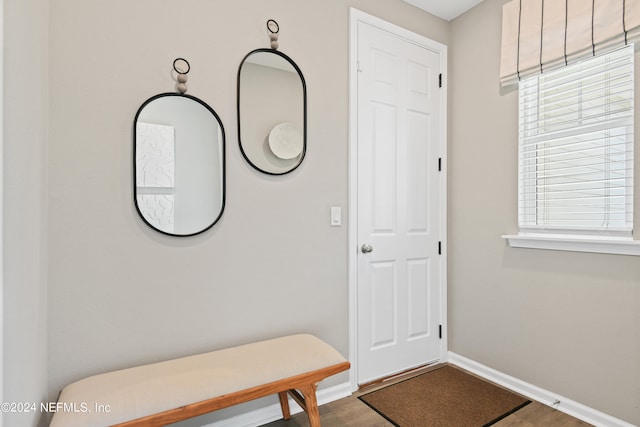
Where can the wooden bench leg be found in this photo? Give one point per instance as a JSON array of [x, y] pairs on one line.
[[284, 404], [307, 401], [309, 393]]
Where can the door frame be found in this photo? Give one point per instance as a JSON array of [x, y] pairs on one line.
[[355, 17]]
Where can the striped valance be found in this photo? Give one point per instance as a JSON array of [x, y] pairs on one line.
[[538, 35]]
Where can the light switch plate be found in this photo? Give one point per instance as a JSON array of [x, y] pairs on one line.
[[336, 216]]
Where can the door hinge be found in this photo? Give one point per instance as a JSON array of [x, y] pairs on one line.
[[439, 164], [439, 248], [440, 331], [440, 80]]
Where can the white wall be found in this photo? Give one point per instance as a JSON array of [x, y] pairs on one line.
[[120, 293], [567, 322], [24, 198]]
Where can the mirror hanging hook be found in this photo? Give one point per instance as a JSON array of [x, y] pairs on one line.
[[274, 29], [182, 67]]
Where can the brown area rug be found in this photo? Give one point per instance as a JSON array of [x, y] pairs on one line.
[[445, 397]]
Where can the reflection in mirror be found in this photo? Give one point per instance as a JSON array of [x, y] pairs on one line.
[[179, 165], [272, 112]]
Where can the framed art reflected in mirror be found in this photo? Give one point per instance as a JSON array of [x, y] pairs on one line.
[[179, 164]]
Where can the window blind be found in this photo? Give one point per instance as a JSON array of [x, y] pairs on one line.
[[576, 146], [540, 35]]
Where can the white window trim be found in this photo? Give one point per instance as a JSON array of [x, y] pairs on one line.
[[575, 243]]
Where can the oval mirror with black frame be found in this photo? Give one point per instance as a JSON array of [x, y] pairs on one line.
[[272, 112], [178, 164]]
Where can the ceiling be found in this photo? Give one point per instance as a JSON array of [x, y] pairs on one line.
[[445, 9]]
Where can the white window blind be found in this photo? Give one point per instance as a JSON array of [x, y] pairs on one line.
[[576, 147]]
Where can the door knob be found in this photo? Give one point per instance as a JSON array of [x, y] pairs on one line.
[[366, 248]]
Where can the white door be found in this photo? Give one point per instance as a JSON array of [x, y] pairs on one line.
[[398, 204]]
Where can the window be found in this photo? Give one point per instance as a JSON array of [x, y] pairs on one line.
[[576, 147], [576, 155]]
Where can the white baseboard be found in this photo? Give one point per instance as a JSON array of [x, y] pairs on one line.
[[272, 412], [563, 404]]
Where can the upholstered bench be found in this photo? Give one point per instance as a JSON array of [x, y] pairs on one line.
[[167, 392]]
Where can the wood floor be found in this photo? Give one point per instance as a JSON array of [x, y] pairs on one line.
[[351, 412]]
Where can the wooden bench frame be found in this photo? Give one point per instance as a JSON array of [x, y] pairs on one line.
[[304, 383]]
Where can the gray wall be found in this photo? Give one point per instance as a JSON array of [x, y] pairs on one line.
[[567, 322], [121, 294], [25, 110], [118, 294]]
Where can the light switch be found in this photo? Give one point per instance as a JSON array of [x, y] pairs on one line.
[[336, 216]]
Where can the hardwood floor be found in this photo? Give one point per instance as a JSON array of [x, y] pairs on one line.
[[351, 412]]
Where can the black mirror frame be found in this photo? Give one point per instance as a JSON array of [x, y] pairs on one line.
[[222, 163], [304, 119]]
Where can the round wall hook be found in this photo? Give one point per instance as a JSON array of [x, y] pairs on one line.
[[273, 26], [182, 67], [274, 29], [181, 61]]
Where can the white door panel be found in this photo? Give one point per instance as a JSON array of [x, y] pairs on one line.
[[398, 289]]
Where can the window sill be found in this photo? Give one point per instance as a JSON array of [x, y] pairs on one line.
[[602, 245]]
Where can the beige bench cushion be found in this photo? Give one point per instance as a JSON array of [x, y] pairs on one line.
[[144, 390]]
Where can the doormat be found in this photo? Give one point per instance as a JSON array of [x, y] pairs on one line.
[[444, 397]]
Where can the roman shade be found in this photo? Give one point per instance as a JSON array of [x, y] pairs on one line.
[[539, 35]]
